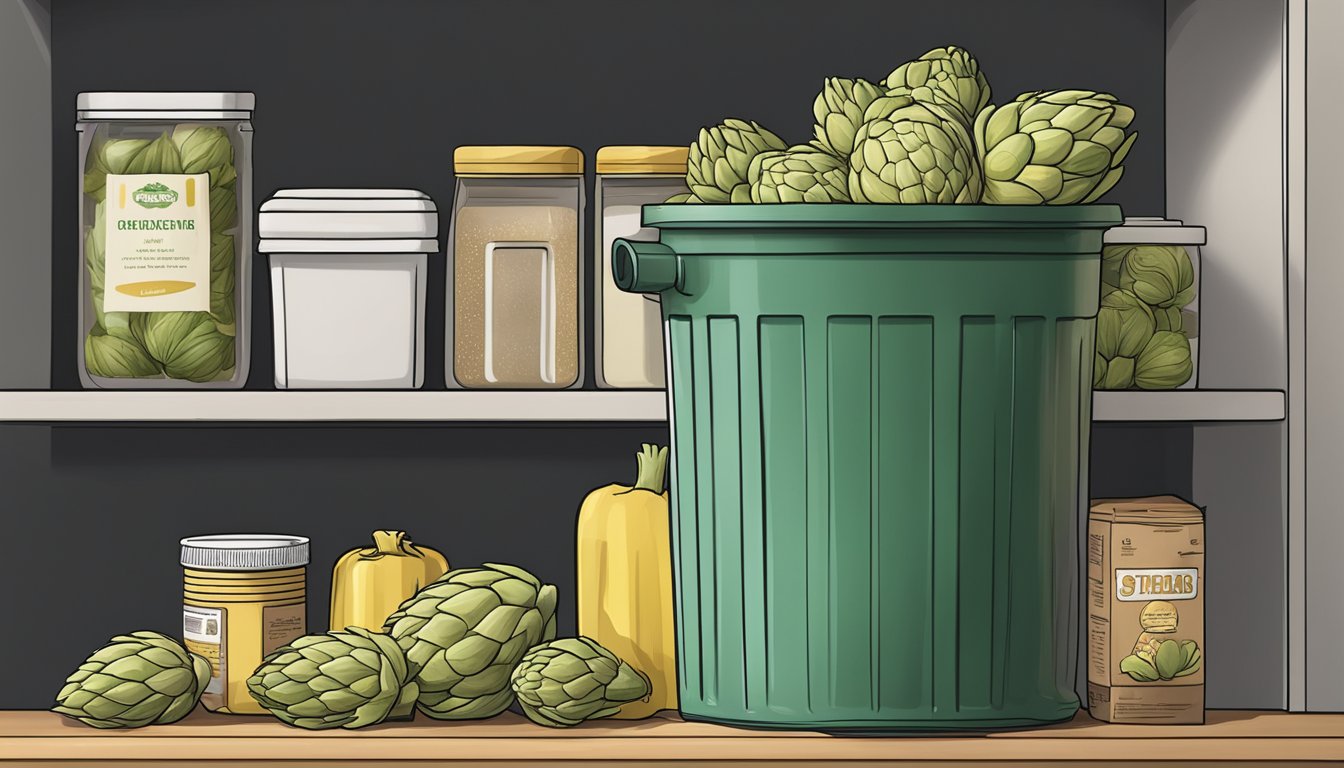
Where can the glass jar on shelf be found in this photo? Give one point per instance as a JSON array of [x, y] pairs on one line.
[[515, 294], [164, 236]]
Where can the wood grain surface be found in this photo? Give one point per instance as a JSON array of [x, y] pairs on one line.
[[1228, 738]]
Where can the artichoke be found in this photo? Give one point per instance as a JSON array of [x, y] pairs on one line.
[[800, 175], [159, 157], [1164, 362], [839, 110], [1160, 275], [114, 357], [1171, 660], [135, 680], [908, 151], [341, 679], [684, 197], [1053, 147], [187, 344], [567, 681], [222, 280], [466, 632], [716, 170], [1124, 326], [203, 149], [949, 76]]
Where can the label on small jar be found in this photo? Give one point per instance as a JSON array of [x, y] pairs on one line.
[[157, 243], [203, 631]]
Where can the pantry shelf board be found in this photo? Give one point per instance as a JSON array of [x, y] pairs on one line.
[[1228, 737], [1189, 405], [328, 406]]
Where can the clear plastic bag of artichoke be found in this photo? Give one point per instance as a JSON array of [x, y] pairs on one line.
[[198, 347], [927, 133]]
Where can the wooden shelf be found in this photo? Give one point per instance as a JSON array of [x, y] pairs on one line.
[[478, 406], [1243, 738]]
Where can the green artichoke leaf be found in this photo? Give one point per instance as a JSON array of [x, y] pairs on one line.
[[1124, 325], [159, 157], [140, 679], [202, 147], [721, 156], [803, 174], [223, 209], [567, 681], [909, 151], [117, 356], [839, 110], [1139, 669], [684, 197], [1192, 658], [1119, 374], [116, 156], [1169, 659], [187, 344], [1053, 147], [1161, 275], [1165, 362]]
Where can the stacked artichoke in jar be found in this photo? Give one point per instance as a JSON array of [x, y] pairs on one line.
[[190, 346], [1142, 341], [925, 134]]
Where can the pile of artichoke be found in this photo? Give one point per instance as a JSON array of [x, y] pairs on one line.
[[925, 134], [191, 346], [462, 648], [1163, 660], [1142, 335]]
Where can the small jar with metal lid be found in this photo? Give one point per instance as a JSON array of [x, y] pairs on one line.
[[628, 334], [515, 294], [244, 596]]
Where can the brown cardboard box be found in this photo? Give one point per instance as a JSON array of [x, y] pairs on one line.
[[1145, 580]]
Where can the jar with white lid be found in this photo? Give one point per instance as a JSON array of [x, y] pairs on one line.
[[1156, 261], [164, 239], [348, 283], [515, 294], [628, 332]]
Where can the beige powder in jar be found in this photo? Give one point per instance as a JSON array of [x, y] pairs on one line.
[[516, 297]]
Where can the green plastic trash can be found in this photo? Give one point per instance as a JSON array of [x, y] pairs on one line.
[[880, 419]]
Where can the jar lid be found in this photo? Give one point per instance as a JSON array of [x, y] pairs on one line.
[[642, 160], [244, 552], [165, 105], [1154, 230], [350, 214], [517, 161]]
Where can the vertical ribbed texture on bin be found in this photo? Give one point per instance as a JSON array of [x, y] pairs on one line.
[[869, 511]]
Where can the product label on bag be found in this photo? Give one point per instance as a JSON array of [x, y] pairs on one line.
[[203, 631], [157, 243]]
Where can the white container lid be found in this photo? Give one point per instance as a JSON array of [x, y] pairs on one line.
[[1154, 230], [165, 105], [244, 552], [349, 221]]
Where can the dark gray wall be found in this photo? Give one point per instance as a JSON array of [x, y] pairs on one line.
[[378, 94]]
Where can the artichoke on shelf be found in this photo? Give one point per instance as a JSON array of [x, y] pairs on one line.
[[464, 634], [1165, 362], [144, 678], [716, 170], [800, 175], [568, 681], [1124, 327], [839, 110], [341, 679], [1172, 659], [1053, 147], [908, 151], [950, 76], [1161, 275]]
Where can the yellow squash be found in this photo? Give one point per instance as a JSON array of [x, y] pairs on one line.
[[625, 579], [368, 584]]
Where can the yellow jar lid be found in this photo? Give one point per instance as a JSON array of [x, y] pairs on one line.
[[512, 161], [636, 159]]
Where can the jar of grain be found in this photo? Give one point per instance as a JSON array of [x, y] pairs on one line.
[[515, 294], [628, 331]]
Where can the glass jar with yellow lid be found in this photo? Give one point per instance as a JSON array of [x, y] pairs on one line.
[[515, 294], [628, 333]]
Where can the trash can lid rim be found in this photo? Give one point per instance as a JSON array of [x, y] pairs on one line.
[[871, 216]]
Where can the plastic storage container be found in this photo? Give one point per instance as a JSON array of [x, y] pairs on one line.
[[880, 428], [628, 331], [244, 596], [1184, 242], [164, 285], [348, 285], [515, 308]]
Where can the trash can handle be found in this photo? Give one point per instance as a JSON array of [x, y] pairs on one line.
[[640, 267]]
